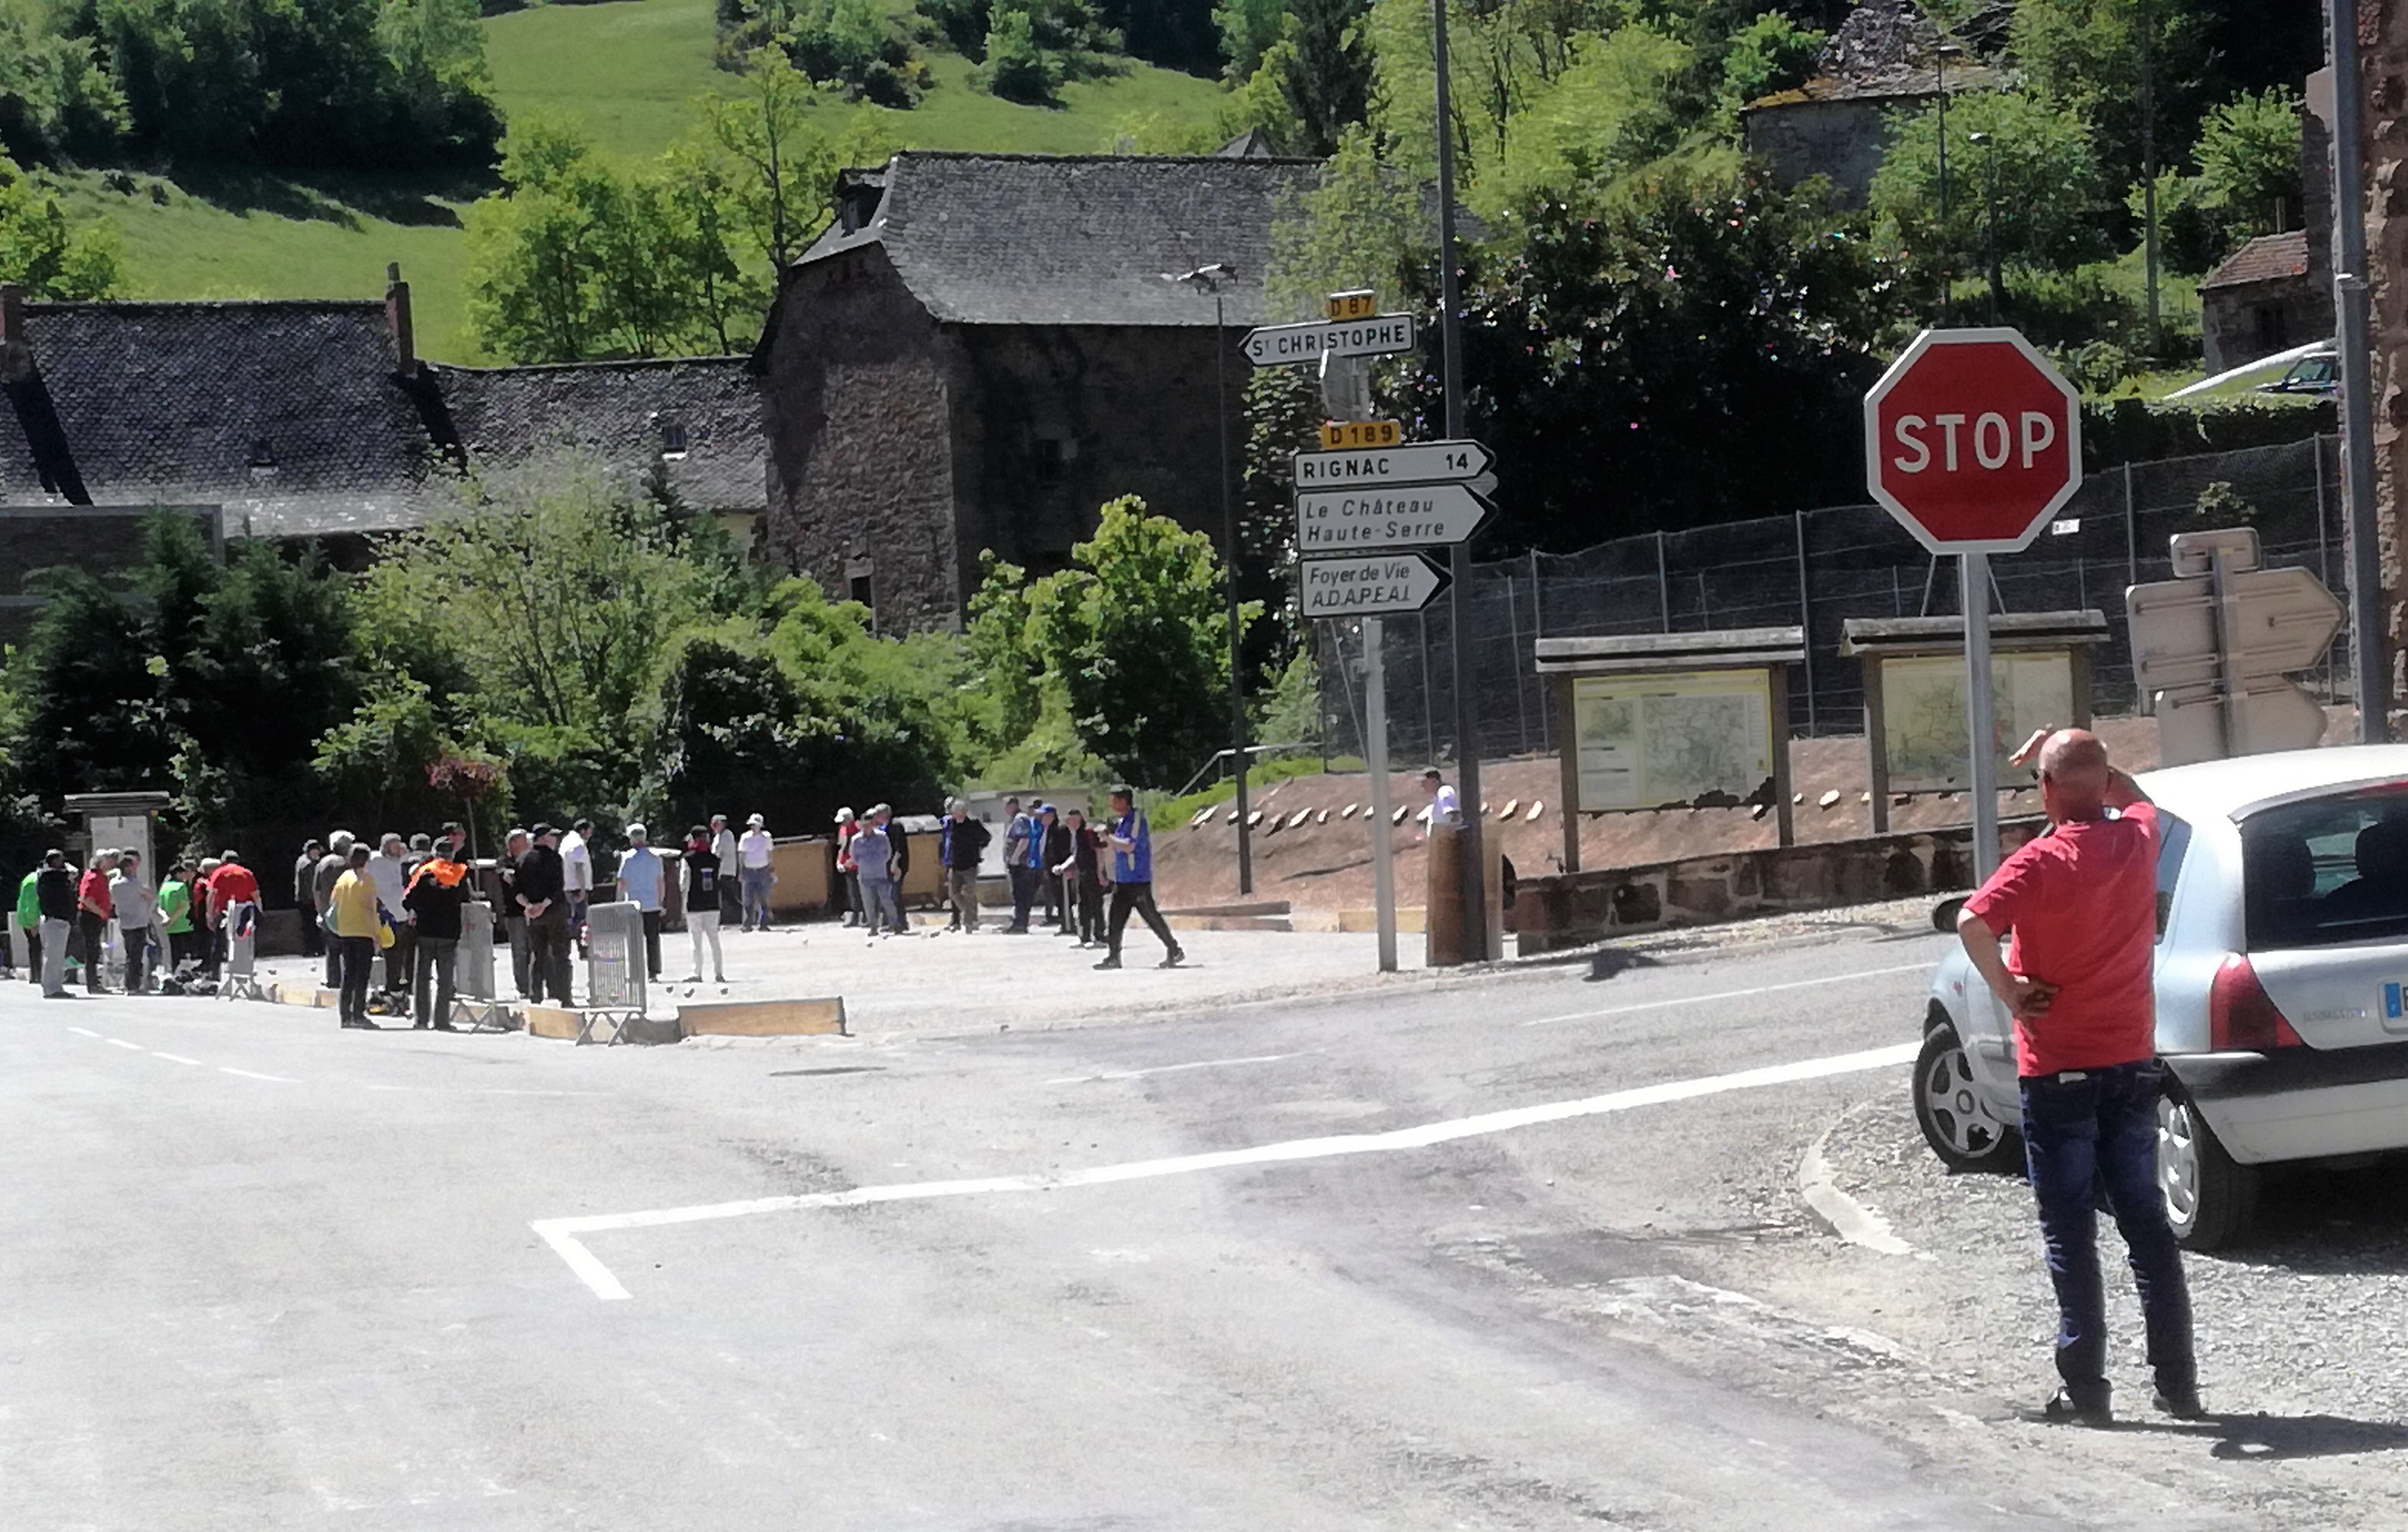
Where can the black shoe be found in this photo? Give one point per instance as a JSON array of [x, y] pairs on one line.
[[420, 1026], [1172, 959], [445, 1026], [2062, 1410], [2181, 1404], [1112, 962]]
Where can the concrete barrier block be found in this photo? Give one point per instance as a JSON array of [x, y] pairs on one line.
[[763, 1018], [554, 1021]]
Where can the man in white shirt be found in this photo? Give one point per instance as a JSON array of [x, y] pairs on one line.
[[1444, 809], [753, 853], [577, 861], [389, 870], [136, 912], [731, 890]]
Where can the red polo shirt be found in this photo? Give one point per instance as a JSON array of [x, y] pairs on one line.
[[232, 884], [93, 890], [2082, 902]]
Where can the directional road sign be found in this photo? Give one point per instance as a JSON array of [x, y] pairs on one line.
[[1277, 345], [1415, 516], [2282, 620], [1972, 440], [1417, 462], [1384, 586]]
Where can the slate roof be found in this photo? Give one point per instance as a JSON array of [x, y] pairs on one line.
[[2267, 258], [290, 414], [619, 411], [1074, 239]]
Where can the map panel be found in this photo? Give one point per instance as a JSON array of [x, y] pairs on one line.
[[1923, 713], [1647, 741]]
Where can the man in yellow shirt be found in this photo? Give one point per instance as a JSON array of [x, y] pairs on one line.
[[358, 931]]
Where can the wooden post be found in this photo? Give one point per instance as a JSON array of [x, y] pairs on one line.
[[1876, 744], [1568, 758], [1785, 822]]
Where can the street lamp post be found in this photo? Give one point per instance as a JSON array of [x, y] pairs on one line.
[[1990, 223], [1214, 279]]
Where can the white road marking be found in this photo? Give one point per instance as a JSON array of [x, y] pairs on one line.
[[561, 1234], [1729, 995], [249, 1074], [84, 1032], [121, 1042], [176, 1058], [1171, 1068]]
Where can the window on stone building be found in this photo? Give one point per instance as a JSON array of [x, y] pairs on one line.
[[673, 440], [2273, 333], [1052, 455], [859, 585]]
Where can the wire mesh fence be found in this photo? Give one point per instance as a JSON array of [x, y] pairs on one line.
[[1818, 568]]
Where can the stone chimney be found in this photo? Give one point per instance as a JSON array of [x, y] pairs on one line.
[[16, 352], [396, 316]]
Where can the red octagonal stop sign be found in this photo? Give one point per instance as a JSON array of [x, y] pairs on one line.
[[1972, 440]]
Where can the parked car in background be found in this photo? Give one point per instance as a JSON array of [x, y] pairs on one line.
[[2282, 957], [2317, 375]]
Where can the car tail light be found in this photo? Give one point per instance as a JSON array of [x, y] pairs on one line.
[[2239, 1016]]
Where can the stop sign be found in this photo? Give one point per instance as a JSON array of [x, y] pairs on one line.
[[1972, 440]]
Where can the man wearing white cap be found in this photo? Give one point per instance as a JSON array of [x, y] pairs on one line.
[[640, 871], [753, 853]]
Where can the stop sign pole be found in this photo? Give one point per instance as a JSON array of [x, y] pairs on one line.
[[1973, 441]]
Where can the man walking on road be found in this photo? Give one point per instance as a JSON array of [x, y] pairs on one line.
[[1023, 853], [439, 887], [354, 923], [873, 857], [2082, 903], [94, 915], [136, 910], [54, 895], [702, 880], [961, 846], [577, 873], [543, 895], [1132, 845]]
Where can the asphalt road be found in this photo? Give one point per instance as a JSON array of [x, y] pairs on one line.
[[1437, 1256]]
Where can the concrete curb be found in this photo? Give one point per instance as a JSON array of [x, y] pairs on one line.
[[1838, 1213]]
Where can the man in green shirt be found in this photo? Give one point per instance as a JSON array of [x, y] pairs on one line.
[[176, 913], [29, 919]]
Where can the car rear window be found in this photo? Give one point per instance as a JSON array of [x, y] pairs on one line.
[[2327, 870]]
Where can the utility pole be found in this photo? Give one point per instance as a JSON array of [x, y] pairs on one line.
[[2355, 362], [2149, 167], [1947, 245], [1466, 707]]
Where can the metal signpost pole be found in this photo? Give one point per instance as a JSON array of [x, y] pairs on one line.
[[1229, 552], [1467, 709], [1375, 763], [1974, 575], [2354, 364]]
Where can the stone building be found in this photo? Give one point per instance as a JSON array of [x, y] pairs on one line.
[[2260, 300], [314, 420], [1886, 57], [985, 347]]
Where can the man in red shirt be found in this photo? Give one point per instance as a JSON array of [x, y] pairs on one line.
[[2081, 904], [94, 910], [230, 885]]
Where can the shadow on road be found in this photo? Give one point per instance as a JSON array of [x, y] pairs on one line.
[[2269, 1438], [1611, 962]]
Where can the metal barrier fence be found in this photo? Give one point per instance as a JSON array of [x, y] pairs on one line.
[[1818, 568]]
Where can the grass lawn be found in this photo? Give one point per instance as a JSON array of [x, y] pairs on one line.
[[628, 71]]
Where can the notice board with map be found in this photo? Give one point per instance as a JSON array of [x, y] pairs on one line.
[[1651, 741], [1924, 736]]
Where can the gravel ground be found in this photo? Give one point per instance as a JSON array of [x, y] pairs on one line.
[[2300, 1330]]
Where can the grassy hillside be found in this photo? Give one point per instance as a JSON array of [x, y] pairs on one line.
[[628, 71]]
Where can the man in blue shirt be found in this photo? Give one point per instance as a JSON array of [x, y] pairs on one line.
[[1133, 880], [1023, 855], [640, 876]]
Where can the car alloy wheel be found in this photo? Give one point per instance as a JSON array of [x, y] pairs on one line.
[[2178, 1169], [2211, 1200], [1957, 1123]]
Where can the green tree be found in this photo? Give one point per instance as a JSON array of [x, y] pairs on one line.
[[56, 99], [43, 249], [2249, 154], [783, 163], [1771, 53], [2025, 196], [2086, 56], [1032, 47], [1324, 70], [1136, 633], [1248, 29]]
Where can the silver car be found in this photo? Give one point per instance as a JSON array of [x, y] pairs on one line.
[[2281, 953]]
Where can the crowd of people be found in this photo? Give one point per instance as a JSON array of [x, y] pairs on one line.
[[1076, 879], [176, 934], [404, 900]]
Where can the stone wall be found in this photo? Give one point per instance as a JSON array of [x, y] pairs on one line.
[[1571, 909], [1841, 140], [861, 461], [1061, 419], [2234, 332], [2383, 56]]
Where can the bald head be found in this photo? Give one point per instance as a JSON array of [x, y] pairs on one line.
[[2073, 774]]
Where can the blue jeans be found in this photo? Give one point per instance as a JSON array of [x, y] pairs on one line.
[[2082, 1137], [756, 898]]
